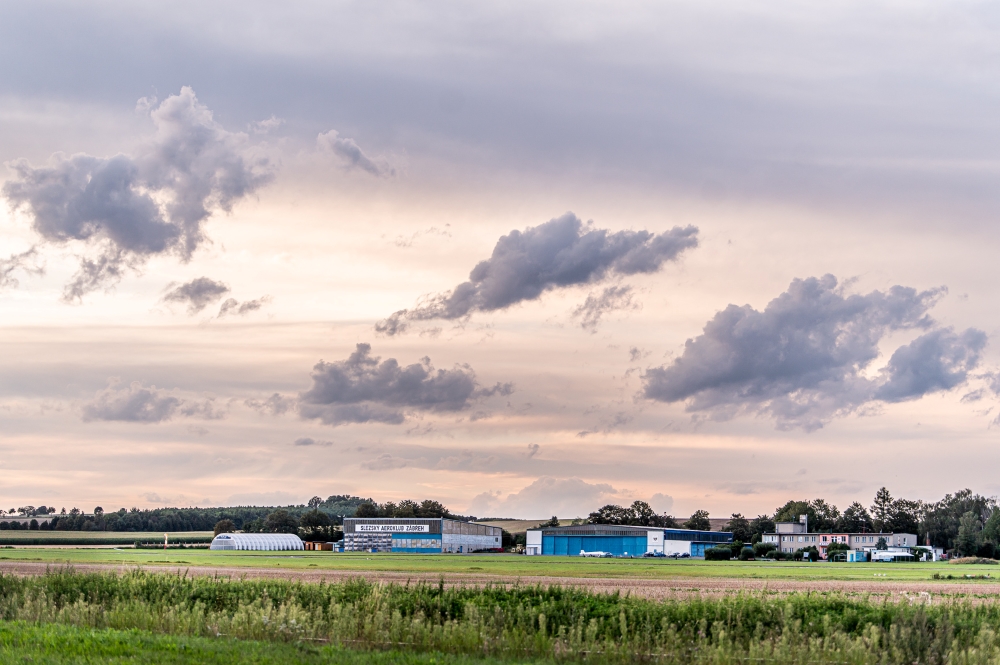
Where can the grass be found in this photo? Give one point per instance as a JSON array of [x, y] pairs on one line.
[[510, 565], [73, 645], [27, 537], [119, 617]]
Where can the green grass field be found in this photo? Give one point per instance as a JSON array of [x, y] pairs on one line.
[[144, 617], [507, 565], [99, 537]]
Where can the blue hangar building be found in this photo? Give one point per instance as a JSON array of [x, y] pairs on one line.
[[621, 540]]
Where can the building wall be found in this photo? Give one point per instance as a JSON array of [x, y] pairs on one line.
[[418, 535], [570, 545]]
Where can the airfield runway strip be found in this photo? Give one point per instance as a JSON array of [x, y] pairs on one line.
[[646, 588]]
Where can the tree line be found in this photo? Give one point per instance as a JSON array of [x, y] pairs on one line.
[[334, 508]]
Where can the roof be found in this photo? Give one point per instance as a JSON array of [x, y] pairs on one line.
[[257, 541]]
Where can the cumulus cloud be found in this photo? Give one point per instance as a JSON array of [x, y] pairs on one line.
[[598, 304], [140, 404], [565, 497], [26, 261], [939, 360], [197, 294], [559, 253], [662, 503], [128, 208], [364, 388], [352, 155], [802, 360]]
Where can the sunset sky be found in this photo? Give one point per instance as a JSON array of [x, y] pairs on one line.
[[522, 258]]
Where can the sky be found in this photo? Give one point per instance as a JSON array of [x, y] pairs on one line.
[[522, 258]]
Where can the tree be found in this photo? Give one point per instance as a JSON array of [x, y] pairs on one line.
[[904, 516], [882, 509], [699, 521], [552, 522], [281, 521], [855, 520], [642, 514], [367, 510], [316, 525], [835, 548], [224, 526], [739, 526], [824, 515], [881, 544], [940, 520], [609, 514], [98, 512], [315, 502], [406, 508], [430, 508], [759, 526], [969, 534], [991, 530], [33, 525]]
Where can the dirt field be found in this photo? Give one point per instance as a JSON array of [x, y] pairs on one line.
[[654, 589]]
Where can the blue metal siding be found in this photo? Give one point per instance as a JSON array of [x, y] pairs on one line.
[[571, 545]]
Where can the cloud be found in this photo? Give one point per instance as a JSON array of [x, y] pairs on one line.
[[129, 208], [307, 441], [366, 389], [565, 497], [27, 261], [597, 305], [385, 462], [802, 360], [275, 405], [197, 294], [350, 153], [559, 253], [232, 307], [266, 126], [140, 404], [661, 503], [939, 360]]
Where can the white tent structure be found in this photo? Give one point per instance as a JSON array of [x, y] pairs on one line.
[[256, 541]]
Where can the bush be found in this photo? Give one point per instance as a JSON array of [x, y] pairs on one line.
[[810, 553], [761, 550], [718, 554], [746, 554], [735, 548]]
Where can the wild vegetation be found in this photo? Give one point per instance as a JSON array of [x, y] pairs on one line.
[[515, 622]]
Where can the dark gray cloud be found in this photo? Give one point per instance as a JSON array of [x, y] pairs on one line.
[[938, 360], [140, 404], [352, 155], [596, 305], [802, 360], [364, 388], [197, 294], [128, 208], [26, 261], [559, 253], [233, 307]]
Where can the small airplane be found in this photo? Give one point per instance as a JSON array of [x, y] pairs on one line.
[[598, 555]]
